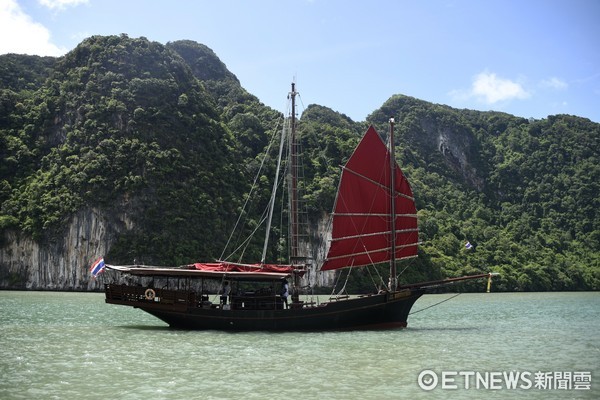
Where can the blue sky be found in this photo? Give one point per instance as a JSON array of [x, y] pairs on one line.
[[530, 58]]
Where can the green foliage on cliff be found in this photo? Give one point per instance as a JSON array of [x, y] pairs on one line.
[[523, 192], [166, 135], [124, 125]]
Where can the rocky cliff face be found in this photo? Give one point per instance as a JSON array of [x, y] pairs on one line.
[[454, 143], [316, 247], [63, 263]]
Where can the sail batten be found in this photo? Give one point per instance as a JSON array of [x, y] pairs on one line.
[[362, 215], [372, 234], [372, 214], [379, 184], [373, 252]]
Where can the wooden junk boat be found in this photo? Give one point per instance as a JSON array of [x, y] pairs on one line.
[[374, 221]]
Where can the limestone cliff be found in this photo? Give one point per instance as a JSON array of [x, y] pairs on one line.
[[61, 263]]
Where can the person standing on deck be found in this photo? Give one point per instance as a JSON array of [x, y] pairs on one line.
[[225, 292], [285, 292]]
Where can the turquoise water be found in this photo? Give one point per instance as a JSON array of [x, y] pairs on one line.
[[73, 345]]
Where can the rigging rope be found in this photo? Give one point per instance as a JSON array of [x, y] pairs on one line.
[[254, 184], [246, 241], [375, 268], [345, 283], [335, 284], [401, 272], [436, 304], [371, 276], [343, 289], [376, 271]]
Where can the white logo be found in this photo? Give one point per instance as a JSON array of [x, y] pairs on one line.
[[428, 380], [511, 380]]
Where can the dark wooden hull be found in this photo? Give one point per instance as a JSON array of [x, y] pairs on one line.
[[378, 311]]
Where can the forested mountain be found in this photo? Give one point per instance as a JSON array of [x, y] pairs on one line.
[[160, 143]]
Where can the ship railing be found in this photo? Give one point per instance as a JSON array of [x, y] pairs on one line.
[[143, 294], [148, 294], [339, 297]]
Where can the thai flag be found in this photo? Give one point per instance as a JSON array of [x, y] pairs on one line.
[[97, 267], [468, 246]]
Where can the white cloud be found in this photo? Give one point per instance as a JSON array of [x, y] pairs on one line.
[[554, 83], [61, 4], [20, 34], [490, 89]]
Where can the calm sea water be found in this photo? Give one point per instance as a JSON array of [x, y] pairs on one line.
[[73, 345]]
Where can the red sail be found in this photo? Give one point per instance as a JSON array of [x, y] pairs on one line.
[[361, 232]]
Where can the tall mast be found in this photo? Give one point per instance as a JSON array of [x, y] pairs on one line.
[[293, 183], [293, 180], [393, 279]]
